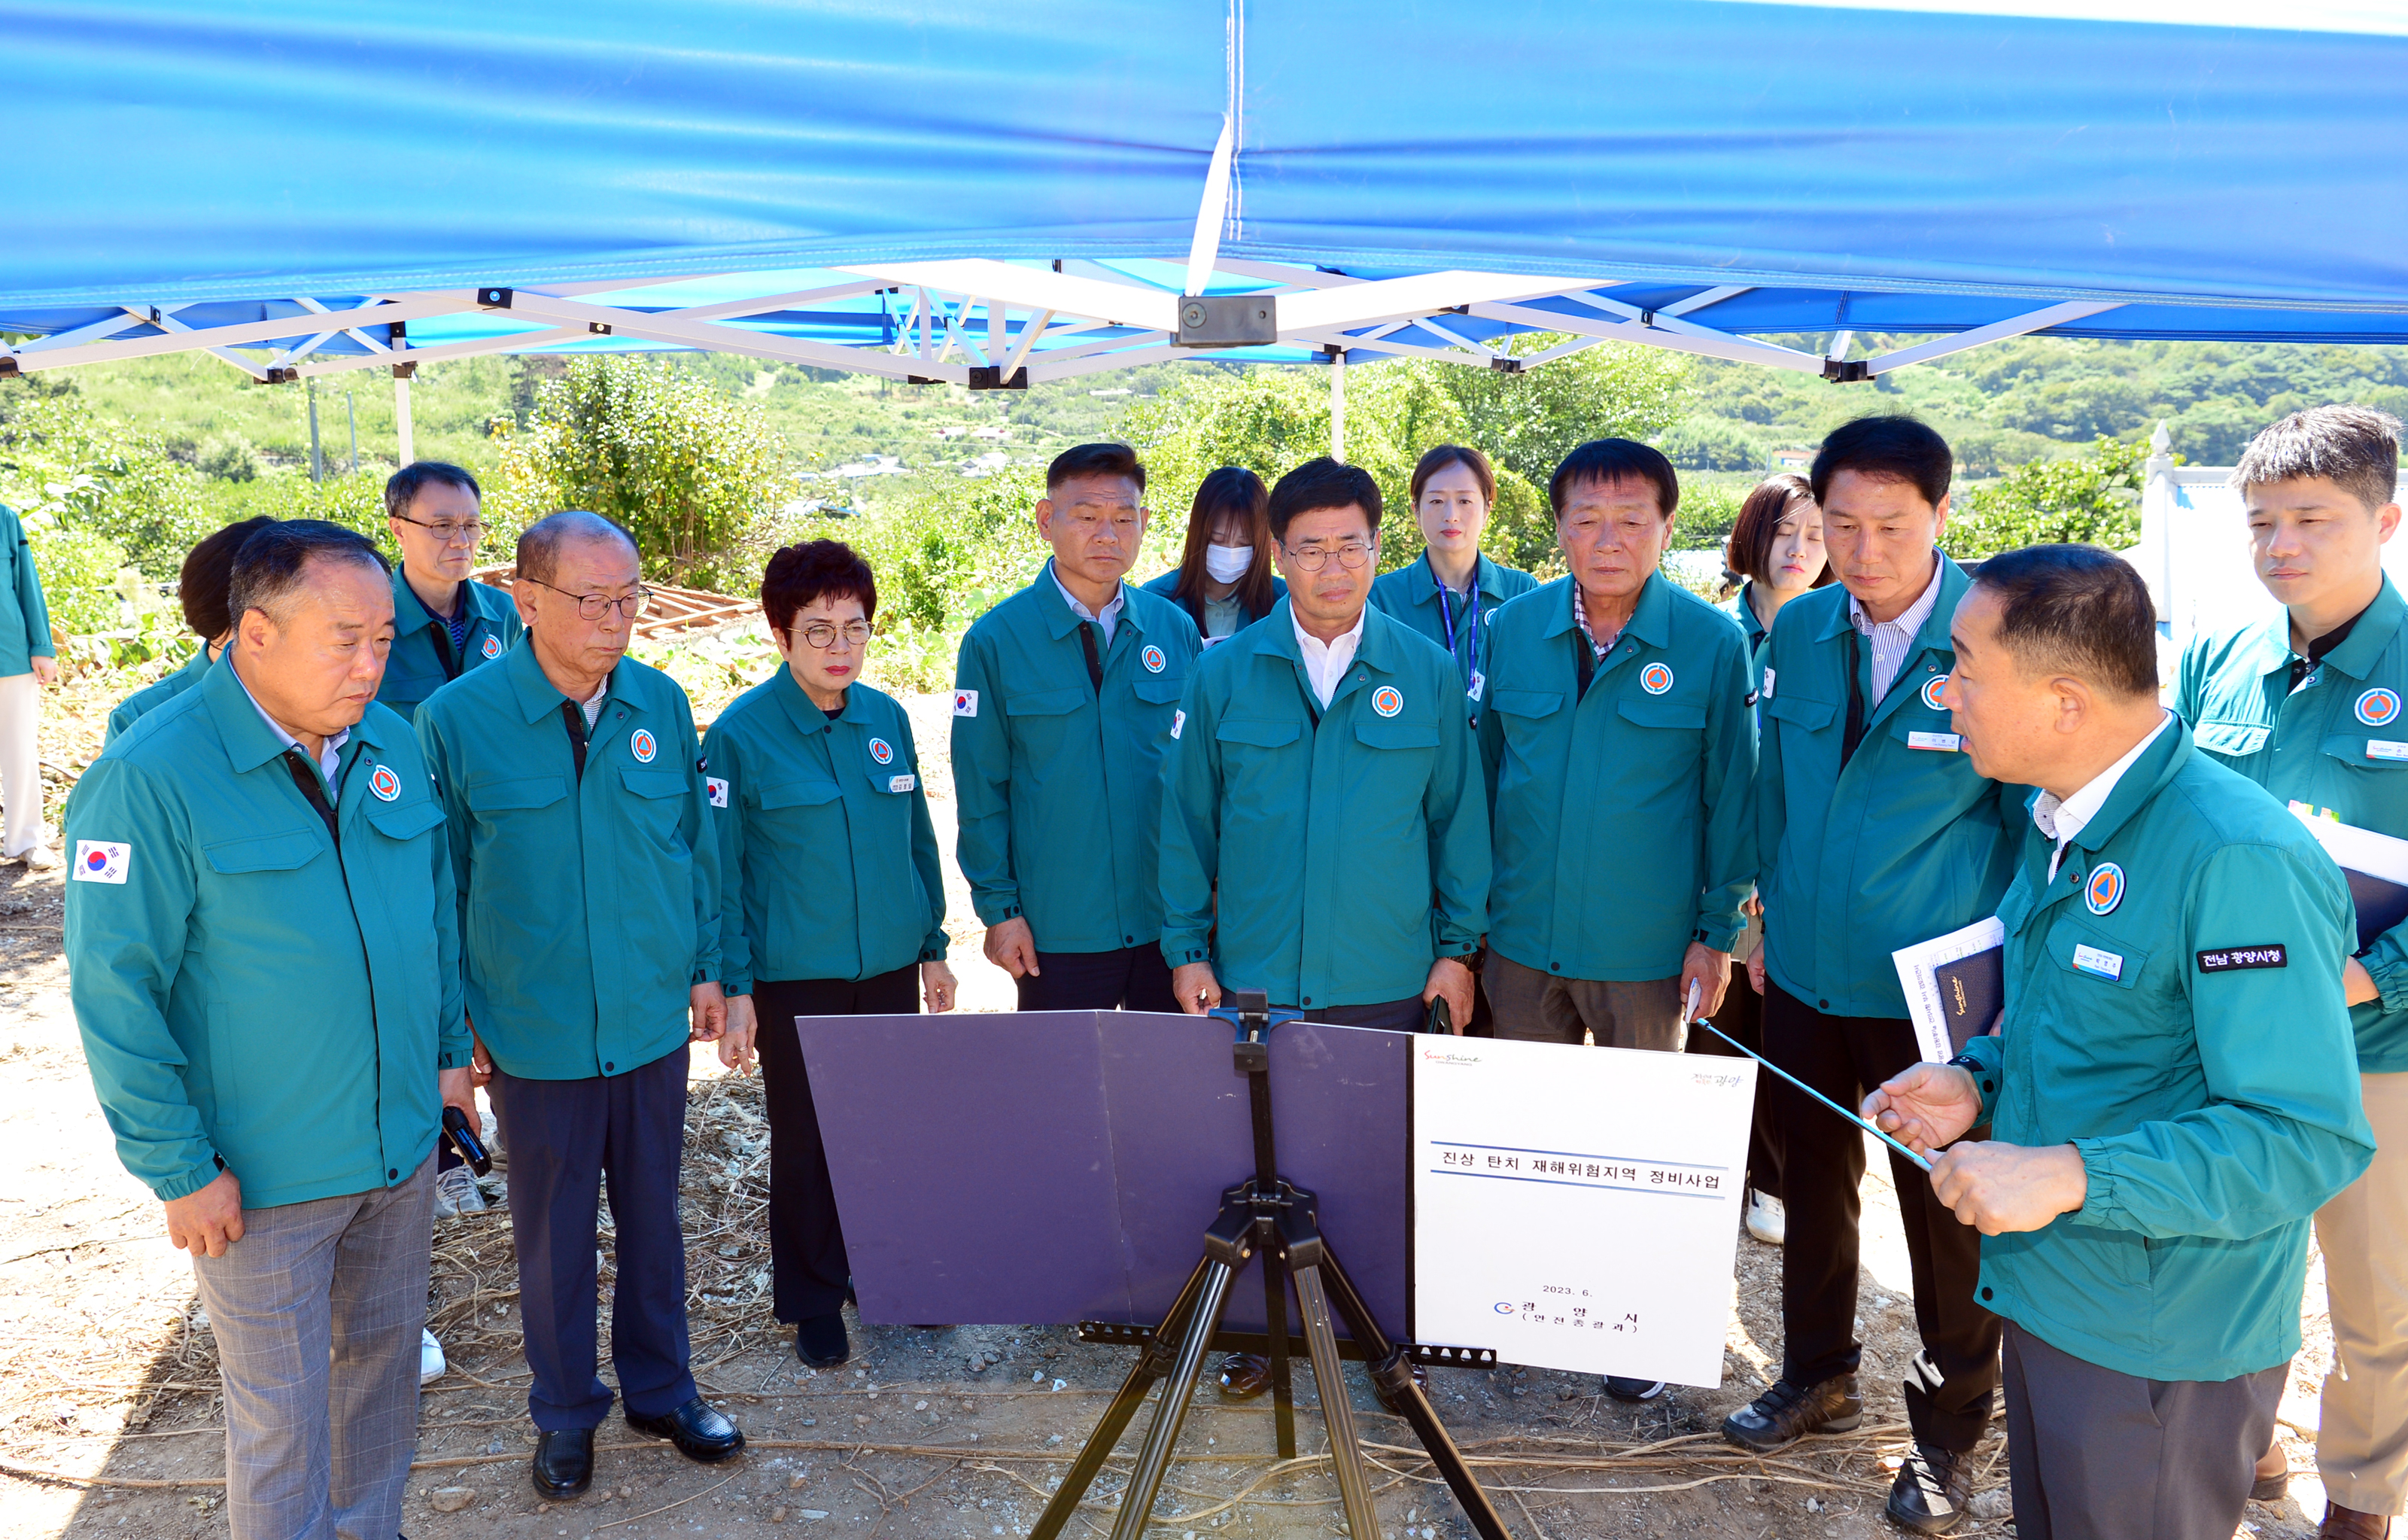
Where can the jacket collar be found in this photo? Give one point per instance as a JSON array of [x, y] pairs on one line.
[[1651, 619], [1061, 619], [1422, 586], [248, 741], [2373, 632], [1953, 583], [799, 708], [2146, 777], [537, 695], [409, 613]]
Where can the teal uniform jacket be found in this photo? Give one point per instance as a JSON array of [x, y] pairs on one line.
[[589, 906], [421, 661], [151, 697], [1410, 594], [1625, 818], [1167, 586], [1059, 788], [2328, 747], [24, 614], [249, 991], [828, 860], [1743, 614], [1904, 844], [1349, 847], [2174, 1011]]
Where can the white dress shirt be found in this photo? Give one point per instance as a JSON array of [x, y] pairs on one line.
[[1893, 640], [330, 759], [1105, 622], [2062, 818], [1326, 662]]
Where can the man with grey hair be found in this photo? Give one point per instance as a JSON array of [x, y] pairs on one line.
[[2308, 704], [264, 963], [588, 885]]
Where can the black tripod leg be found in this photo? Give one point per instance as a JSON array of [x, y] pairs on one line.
[[1170, 1412], [1394, 1374], [1329, 1373], [1275, 1323], [1151, 1365]]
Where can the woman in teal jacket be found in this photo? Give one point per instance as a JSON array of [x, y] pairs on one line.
[[1451, 590], [834, 904], [1224, 579]]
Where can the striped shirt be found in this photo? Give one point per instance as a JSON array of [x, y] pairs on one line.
[[1893, 640]]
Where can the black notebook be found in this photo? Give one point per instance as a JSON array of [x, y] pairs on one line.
[[1955, 986], [2376, 866]]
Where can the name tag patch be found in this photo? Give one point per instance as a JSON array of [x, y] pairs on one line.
[[717, 789], [2105, 965], [1947, 741], [2384, 748], [2226, 959], [901, 782]]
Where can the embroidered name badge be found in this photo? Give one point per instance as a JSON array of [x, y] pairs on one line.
[[901, 782], [881, 750], [1152, 659], [493, 647], [2378, 706], [965, 702], [1177, 722], [641, 746], [716, 789], [102, 861], [1386, 700], [2384, 748], [1947, 741], [1655, 679], [384, 782], [2105, 965], [1931, 689], [2105, 889], [2226, 959]]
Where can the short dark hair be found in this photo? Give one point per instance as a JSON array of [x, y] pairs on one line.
[[1749, 548], [1455, 454], [209, 569], [2076, 610], [1889, 447], [273, 563], [538, 550], [1609, 460], [1094, 460], [2356, 448], [402, 487], [1323, 482], [799, 575]]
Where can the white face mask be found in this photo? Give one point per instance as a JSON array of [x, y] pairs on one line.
[[1228, 563]]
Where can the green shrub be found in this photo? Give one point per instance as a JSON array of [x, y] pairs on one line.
[[79, 571], [2092, 497]]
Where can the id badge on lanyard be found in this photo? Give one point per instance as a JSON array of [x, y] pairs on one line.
[[1446, 614]]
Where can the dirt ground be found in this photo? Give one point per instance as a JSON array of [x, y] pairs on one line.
[[111, 1422]]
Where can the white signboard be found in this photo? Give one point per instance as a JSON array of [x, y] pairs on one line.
[[1577, 1208]]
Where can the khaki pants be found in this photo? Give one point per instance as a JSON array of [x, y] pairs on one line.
[[1537, 1007], [2362, 1441]]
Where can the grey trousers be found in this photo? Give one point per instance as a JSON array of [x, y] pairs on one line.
[[317, 1312], [2093, 1454], [1537, 1007]]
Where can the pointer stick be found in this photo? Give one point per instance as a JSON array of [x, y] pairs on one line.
[[1920, 1162]]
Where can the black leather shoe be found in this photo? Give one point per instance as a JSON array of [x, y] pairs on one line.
[[699, 1430], [1245, 1375], [1785, 1413], [820, 1340], [1932, 1489], [564, 1463]]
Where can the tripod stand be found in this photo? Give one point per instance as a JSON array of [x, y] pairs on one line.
[[1272, 1220]]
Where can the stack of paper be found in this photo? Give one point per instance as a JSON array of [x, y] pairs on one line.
[[2376, 866], [1956, 985]]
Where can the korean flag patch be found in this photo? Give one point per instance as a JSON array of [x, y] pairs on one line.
[[1177, 722], [102, 861], [717, 790], [965, 702]]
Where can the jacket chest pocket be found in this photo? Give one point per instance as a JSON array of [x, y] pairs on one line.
[[2090, 953], [801, 810], [489, 800], [1798, 711], [1041, 719], [1528, 716], [404, 821], [2232, 740], [1162, 689], [2367, 750], [1661, 714], [1394, 740], [246, 855], [656, 803]]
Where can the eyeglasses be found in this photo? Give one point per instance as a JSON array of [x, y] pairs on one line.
[[450, 534], [822, 634], [1312, 558], [593, 605]]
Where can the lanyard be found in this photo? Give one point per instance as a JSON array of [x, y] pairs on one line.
[[1446, 611]]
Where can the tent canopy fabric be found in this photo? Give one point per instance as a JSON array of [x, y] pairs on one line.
[[928, 190]]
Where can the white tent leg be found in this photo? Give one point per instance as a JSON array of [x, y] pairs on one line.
[[403, 430], [1337, 406]]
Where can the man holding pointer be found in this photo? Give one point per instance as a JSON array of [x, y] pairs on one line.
[[2174, 1091]]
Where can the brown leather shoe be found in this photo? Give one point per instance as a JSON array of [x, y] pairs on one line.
[[2272, 1481], [2349, 1524]]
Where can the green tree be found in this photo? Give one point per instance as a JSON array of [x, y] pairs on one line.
[[2092, 498], [65, 466], [1529, 421], [700, 477]]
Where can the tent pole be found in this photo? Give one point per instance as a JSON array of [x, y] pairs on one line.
[[1338, 405], [401, 422], [317, 460], [351, 412]]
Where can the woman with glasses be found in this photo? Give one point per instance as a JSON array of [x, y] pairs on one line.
[[1451, 589], [833, 901], [1224, 579], [443, 625]]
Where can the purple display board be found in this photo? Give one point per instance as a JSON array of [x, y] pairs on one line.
[[1048, 1167]]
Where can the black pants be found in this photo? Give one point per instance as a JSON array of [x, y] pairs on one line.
[[566, 1138], [1134, 978], [1742, 1016], [1396, 1015], [1952, 1382], [808, 1273], [2094, 1454]]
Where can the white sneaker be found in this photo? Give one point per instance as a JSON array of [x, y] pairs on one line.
[[40, 858], [430, 1357], [1766, 1219], [456, 1193]]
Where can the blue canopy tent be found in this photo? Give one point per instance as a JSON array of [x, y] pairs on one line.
[[1000, 195]]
